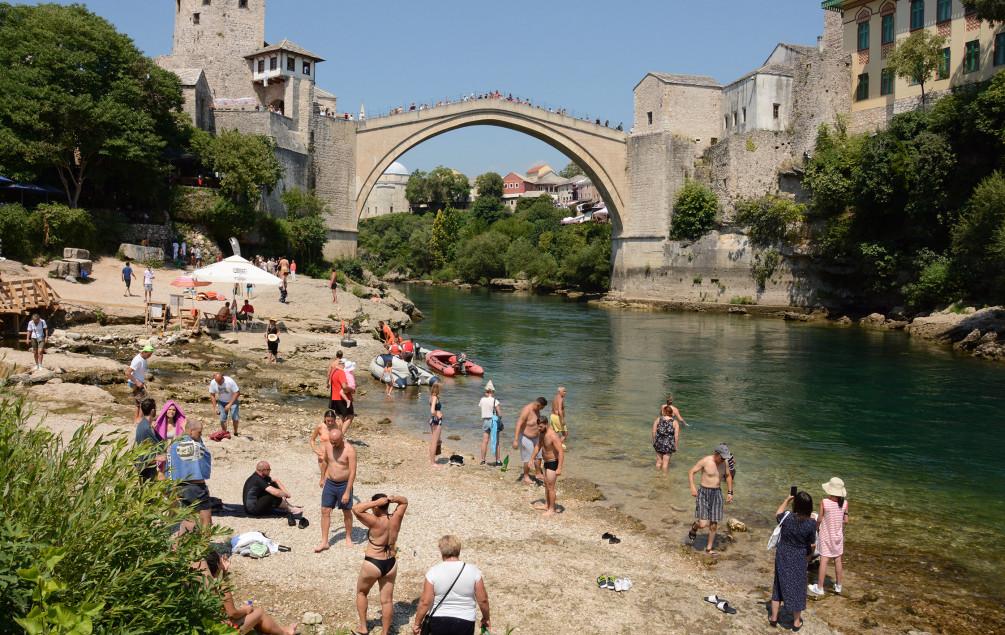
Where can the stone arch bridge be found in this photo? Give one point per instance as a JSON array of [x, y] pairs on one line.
[[373, 144]]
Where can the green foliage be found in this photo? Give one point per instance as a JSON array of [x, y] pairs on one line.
[[16, 232], [978, 244], [764, 266], [301, 203], [351, 268], [742, 299], [59, 226], [694, 213], [303, 231], [247, 163], [770, 219], [438, 189], [990, 10], [750, 145], [80, 98], [116, 564], [917, 57], [489, 184], [830, 173], [933, 282], [488, 208], [571, 170], [530, 243]]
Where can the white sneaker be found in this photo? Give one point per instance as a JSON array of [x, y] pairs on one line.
[[837, 588], [815, 590]]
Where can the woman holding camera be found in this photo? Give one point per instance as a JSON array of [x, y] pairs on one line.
[[795, 545]]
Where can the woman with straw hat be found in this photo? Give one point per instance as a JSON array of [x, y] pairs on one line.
[[830, 525], [272, 339]]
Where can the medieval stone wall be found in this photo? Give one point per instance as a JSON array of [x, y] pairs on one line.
[[333, 176], [745, 166]]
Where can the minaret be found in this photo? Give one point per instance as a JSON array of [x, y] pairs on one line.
[[215, 35]]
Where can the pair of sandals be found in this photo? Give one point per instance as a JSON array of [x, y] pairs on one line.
[[795, 629], [297, 520], [720, 604], [614, 584], [611, 538]]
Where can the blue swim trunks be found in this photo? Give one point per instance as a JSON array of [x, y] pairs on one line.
[[331, 495]]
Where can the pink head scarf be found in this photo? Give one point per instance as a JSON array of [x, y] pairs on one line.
[[160, 426]]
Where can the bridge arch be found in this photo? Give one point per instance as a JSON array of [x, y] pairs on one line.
[[600, 151]]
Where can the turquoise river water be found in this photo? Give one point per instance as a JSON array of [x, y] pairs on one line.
[[916, 432]]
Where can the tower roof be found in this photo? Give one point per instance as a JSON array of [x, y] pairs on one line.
[[285, 45]]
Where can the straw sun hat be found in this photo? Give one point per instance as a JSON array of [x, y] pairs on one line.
[[835, 487]]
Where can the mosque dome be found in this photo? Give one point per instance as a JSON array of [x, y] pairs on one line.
[[397, 169]]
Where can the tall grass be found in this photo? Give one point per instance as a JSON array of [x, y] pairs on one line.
[[76, 515]]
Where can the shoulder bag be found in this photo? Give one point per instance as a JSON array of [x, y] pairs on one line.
[[426, 628], [777, 533]]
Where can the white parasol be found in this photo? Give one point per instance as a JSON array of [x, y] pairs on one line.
[[235, 270]]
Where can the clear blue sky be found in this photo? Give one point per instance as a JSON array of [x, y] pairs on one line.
[[585, 56]]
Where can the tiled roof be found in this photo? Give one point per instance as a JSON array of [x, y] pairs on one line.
[[285, 45]]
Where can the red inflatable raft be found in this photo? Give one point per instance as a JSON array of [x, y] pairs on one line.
[[447, 364]]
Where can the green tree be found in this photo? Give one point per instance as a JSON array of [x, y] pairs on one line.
[[979, 240], [694, 211], [489, 184], [438, 189], [304, 229], [990, 10], [830, 173], [444, 235], [247, 163], [770, 219], [59, 226], [917, 58], [571, 170], [78, 97], [482, 258], [488, 209], [16, 231]]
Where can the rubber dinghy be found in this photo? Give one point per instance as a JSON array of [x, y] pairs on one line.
[[447, 364], [403, 374]]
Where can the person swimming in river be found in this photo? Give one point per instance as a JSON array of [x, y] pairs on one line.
[[380, 565]]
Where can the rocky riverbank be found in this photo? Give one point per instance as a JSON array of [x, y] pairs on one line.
[[968, 330]]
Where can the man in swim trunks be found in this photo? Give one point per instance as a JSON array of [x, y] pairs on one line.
[[708, 500], [379, 561], [336, 483], [549, 444], [525, 436], [558, 415], [340, 402]]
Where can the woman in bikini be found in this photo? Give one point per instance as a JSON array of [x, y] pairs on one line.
[[246, 618], [379, 562], [435, 423]]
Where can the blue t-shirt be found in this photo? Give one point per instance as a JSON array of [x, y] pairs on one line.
[[127, 273]]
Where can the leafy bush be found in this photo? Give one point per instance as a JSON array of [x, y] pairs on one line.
[[742, 300], [305, 236], [351, 268], [770, 219], [247, 162], [979, 240], [481, 258], [764, 266], [115, 563], [16, 232], [933, 283], [694, 212], [58, 226]]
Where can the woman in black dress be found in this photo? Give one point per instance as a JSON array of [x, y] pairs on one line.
[[795, 545]]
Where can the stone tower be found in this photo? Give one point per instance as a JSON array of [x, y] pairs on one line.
[[216, 35]]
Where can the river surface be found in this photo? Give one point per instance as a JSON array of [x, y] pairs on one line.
[[916, 432]]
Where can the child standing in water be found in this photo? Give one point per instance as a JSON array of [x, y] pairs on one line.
[[830, 525], [388, 378]]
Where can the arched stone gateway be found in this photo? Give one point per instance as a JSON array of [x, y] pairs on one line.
[[599, 150]]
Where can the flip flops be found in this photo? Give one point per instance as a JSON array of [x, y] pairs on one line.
[[611, 538], [720, 604], [614, 584]]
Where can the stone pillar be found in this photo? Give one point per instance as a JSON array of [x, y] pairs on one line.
[[333, 156], [658, 164]]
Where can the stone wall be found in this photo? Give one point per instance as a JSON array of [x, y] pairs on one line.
[[296, 174], [745, 166], [332, 174], [155, 235], [218, 44], [821, 87]]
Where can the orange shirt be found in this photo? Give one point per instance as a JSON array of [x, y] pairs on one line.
[[338, 382]]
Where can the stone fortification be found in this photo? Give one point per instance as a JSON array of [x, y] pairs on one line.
[[333, 175]]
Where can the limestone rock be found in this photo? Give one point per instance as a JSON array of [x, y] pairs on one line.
[[969, 342], [141, 253], [792, 316], [70, 253], [738, 310], [844, 320], [736, 525], [873, 320]]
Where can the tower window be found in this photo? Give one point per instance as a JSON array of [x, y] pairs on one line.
[[261, 66], [744, 114], [863, 36], [307, 68], [242, 4], [195, 18], [776, 110], [888, 30], [917, 14], [273, 63], [972, 57], [205, 3], [649, 115], [862, 91], [291, 64]]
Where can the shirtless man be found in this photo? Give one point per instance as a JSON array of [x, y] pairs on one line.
[[321, 436], [708, 501], [525, 436], [551, 447], [558, 415], [380, 565], [336, 482]]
